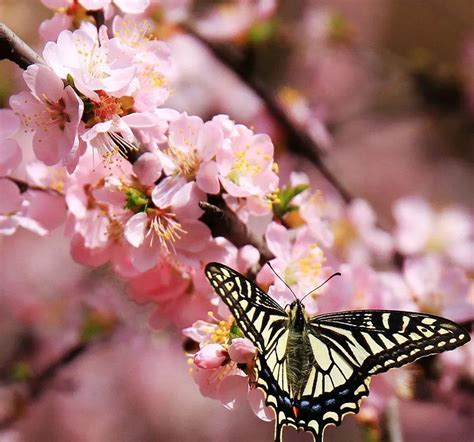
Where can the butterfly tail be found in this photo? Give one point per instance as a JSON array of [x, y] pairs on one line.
[[278, 434]]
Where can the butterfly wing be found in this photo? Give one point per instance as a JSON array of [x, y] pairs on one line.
[[350, 347], [259, 317], [264, 322]]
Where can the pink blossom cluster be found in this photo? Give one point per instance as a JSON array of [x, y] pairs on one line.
[[130, 180]]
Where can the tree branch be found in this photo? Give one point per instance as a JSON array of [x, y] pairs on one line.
[[224, 222], [298, 140], [13, 48], [35, 387]]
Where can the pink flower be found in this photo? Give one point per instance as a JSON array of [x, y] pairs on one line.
[[177, 295], [211, 356], [50, 28], [86, 55], [192, 145], [439, 288], [150, 57], [242, 351], [299, 262], [245, 165], [10, 152], [227, 21], [215, 365], [171, 226], [361, 287], [112, 139], [127, 6], [53, 112], [37, 211], [357, 237], [421, 229]]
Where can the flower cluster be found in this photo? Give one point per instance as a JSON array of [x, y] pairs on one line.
[[133, 181]]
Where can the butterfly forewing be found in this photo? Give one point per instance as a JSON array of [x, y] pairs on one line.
[[258, 316], [377, 340]]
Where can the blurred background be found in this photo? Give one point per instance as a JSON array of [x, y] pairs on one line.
[[385, 88]]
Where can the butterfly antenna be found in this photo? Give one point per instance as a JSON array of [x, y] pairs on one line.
[[282, 280], [320, 285]]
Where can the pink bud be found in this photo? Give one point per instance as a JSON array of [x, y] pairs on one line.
[[242, 351], [211, 356]]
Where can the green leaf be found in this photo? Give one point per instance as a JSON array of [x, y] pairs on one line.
[[283, 198], [235, 332], [137, 201]]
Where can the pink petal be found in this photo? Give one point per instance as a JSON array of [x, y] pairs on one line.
[[162, 195], [256, 400], [9, 123], [207, 178], [233, 390], [10, 156], [87, 256], [146, 256], [278, 240], [148, 168], [197, 236], [211, 356], [135, 229], [11, 198], [183, 133], [132, 6], [48, 209], [185, 201], [210, 140], [43, 83], [242, 351]]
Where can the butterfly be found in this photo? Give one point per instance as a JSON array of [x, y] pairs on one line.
[[315, 370]]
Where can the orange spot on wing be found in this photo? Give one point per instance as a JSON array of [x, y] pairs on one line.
[[296, 410]]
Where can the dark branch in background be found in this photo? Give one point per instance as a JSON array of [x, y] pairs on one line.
[[13, 48], [24, 393], [298, 140], [38, 383]]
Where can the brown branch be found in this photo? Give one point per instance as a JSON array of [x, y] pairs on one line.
[[224, 222], [298, 141], [13, 48]]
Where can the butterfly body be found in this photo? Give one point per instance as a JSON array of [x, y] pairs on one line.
[[315, 370], [299, 354]]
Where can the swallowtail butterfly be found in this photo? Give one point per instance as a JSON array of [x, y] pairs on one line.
[[315, 370]]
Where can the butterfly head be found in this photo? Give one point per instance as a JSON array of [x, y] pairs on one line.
[[297, 315]]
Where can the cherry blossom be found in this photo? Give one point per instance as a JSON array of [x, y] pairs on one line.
[[299, 262], [10, 152], [422, 229], [246, 168], [86, 54], [192, 145], [53, 113], [441, 289], [151, 59]]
